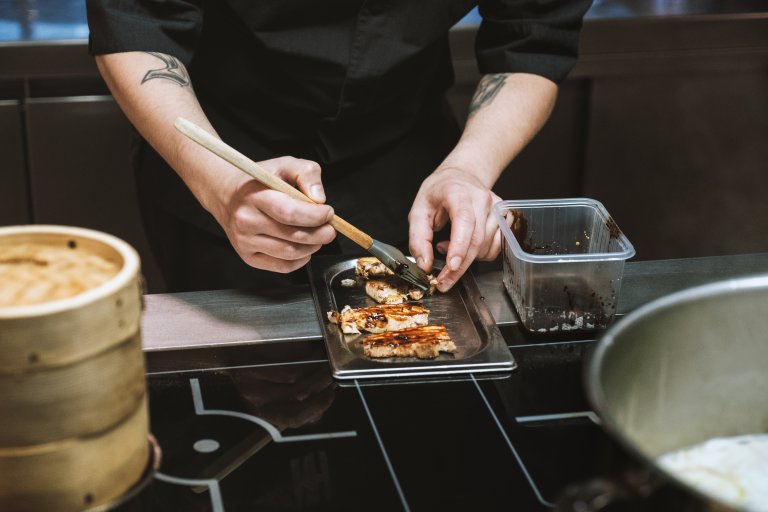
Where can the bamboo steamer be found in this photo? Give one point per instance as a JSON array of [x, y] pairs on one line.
[[73, 404]]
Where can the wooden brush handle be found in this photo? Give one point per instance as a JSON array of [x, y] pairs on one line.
[[264, 177]]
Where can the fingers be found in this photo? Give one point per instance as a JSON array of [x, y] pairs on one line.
[[494, 247], [272, 264], [457, 260], [468, 213], [420, 233], [474, 233], [280, 208], [275, 232], [278, 248], [464, 227], [455, 195], [492, 243], [491, 247], [304, 174], [291, 212], [264, 243]]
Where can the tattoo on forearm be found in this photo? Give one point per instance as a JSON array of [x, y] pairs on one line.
[[173, 70], [487, 89]]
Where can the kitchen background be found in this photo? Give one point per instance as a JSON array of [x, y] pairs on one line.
[[664, 120]]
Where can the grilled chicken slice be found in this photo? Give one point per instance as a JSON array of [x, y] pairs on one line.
[[384, 287], [392, 290], [424, 342], [379, 318], [370, 266]]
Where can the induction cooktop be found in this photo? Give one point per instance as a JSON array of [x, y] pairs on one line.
[[283, 435]]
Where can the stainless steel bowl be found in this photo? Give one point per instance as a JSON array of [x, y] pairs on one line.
[[683, 369]]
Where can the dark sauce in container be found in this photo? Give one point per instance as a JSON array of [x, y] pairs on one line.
[[570, 302]]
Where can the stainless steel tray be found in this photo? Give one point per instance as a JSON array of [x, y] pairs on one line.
[[480, 346]]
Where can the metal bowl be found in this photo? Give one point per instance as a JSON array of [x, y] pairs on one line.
[[683, 369]]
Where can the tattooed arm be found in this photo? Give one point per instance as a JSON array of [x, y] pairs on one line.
[[268, 229], [506, 111]]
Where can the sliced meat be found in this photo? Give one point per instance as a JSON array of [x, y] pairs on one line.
[[369, 266], [392, 290], [424, 342], [379, 318], [371, 269]]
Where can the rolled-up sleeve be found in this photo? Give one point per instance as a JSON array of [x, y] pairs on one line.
[[165, 26], [530, 36]]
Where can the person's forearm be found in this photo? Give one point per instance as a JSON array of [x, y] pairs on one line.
[[153, 90], [506, 112]]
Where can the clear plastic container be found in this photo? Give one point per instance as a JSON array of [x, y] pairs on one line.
[[563, 262]]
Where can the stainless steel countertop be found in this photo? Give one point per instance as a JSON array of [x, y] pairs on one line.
[[236, 317]]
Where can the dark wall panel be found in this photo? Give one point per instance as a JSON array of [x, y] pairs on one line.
[[552, 164], [14, 204], [681, 161], [80, 170]]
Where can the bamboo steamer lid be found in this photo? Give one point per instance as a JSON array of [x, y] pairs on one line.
[[64, 331], [74, 430]]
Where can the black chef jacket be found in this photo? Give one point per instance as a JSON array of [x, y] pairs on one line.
[[319, 70], [351, 84]]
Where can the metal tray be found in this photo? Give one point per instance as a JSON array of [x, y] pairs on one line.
[[479, 344]]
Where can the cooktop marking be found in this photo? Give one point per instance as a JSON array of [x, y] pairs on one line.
[[239, 367], [383, 450], [550, 344], [277, 436], [511, 446], [206, 445], [539, 418], [212, 485]]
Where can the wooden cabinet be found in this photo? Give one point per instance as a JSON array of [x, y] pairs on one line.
[[14, 194], [80, 169], [681, 160]]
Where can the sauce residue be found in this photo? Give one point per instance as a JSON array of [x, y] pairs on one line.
[[521, 231]]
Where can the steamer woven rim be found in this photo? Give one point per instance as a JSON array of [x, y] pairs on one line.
[[128, 271]]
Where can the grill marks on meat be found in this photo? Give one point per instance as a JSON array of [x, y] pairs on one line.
[[384, 287], [424, 342], [377, 319], [400, 329], [392, 290]]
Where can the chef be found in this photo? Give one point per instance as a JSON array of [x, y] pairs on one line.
[[345, 100]]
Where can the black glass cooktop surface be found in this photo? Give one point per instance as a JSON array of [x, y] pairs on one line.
[[283, 435]]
